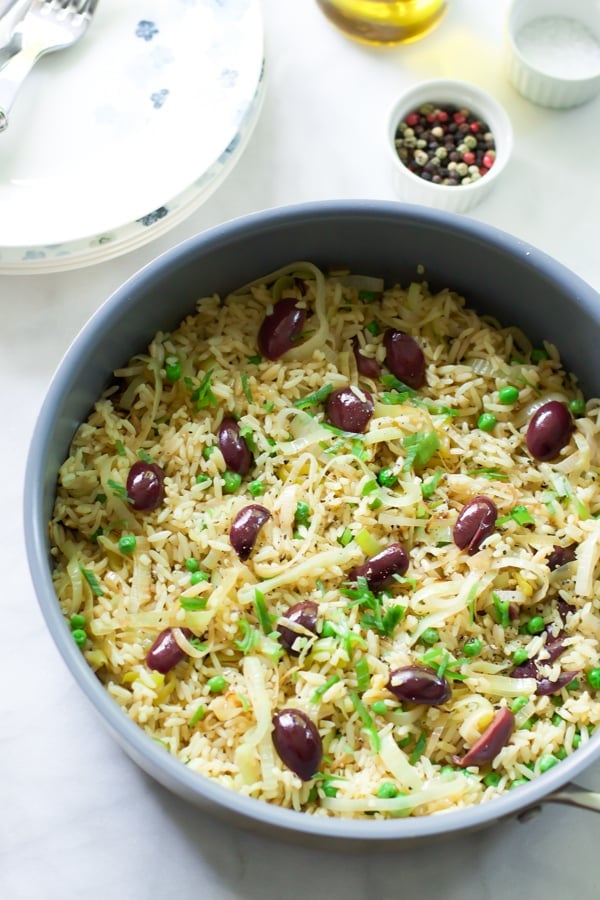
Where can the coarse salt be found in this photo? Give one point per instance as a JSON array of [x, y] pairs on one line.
[[560, 46]]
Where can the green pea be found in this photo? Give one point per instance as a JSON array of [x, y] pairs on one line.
[[387, 790], [387, 478], [330, 790], [486, 421], [576, 740], [172, 368], [192, 565], [127, 543], [216, 684], [77, 621], [430, 636], [208, 452], [557, 720], [256, 488], [491, 779], [547, 761], [538, 354], [520, 656], [202, 478], [79, 636], [473, 647], [536, 625], [231, 481], [577, 406], [508, 394], [518, 703], [379, 707], [593, 679], [561, 753], [518, 782], [197, 577]]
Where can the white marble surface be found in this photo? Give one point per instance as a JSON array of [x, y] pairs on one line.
[[77, 818]]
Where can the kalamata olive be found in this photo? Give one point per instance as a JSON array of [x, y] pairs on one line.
[[281, 328], [476, 521], [494, 738], [346, 410], [245, 527], [304, 614], [381, 568], [419, 684], [545, 687], [145, 485], [560, 556], [405, 358], [549, 431], [297, 742], [165, 652], [234, 448], [366, 365]]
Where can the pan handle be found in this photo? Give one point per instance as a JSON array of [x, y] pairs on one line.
[[574, 795]]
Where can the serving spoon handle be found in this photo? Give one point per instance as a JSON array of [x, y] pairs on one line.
[[574, 795]]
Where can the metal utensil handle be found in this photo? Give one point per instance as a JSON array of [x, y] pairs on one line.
[[573, 795], [12, 76]]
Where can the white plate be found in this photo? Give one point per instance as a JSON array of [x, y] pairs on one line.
[[117, 139]]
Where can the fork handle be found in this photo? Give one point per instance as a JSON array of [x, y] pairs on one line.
[[12, 75]]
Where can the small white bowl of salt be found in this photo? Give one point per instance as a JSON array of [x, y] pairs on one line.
[[553, 50]]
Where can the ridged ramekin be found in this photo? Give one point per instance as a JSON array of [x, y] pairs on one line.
[[454, 198], [541, 87]]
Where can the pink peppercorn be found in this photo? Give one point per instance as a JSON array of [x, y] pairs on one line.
[[474, 126], [488, 160], [412, 119], [469, 158]]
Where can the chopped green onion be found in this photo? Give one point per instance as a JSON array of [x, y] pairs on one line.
[[120, 447], [323, 688], [92, 580], [246, 388], [369, 725], [369, 487], [538, 354], [363, 676], [394, 384], [518, 703], [203, 396], [428, 487], [145, 456], [254, 360], [312, 399], [302, 514], [265, 620], [417, 753], [345, 537], [490, 472], [420, 448], [249, 639], [118, 490], [193, 603], [198, 715], [502, 608], [172, 368]]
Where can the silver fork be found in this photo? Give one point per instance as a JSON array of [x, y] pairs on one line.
[[48, 25]]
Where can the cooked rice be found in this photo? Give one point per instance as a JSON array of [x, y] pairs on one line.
[[128, 598]]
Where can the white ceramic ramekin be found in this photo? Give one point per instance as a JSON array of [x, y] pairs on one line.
[[455, 198], [539, 83]]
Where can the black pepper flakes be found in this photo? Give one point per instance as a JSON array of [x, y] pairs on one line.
[[447, 144]]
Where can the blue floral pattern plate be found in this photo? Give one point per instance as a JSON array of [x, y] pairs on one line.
[[119, 138]]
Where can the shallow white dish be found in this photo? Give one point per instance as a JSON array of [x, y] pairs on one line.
[[119, 138]]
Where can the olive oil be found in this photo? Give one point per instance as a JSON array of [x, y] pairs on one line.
[[384, 21]]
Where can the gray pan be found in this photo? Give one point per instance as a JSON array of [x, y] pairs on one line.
[[498, 274]]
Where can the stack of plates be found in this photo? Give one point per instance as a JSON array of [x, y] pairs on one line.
[[119, 138]]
